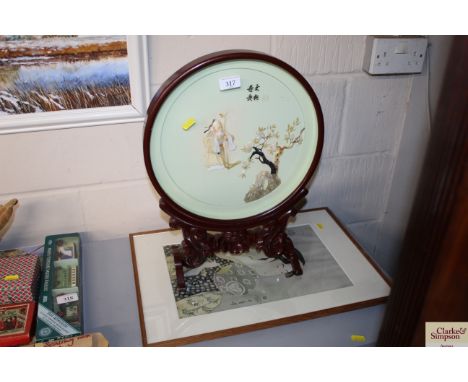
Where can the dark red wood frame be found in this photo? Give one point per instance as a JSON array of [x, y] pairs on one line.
[[197, 243]]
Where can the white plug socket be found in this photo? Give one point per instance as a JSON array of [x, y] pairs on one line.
[[394, 54]]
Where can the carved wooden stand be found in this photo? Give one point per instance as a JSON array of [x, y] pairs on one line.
[[198, 244]]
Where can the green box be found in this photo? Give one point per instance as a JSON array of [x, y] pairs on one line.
[[60, 305]]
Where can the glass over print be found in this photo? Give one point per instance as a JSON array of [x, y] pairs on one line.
[[227, 281]]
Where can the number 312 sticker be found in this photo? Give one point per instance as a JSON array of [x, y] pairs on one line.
[[229, 83]]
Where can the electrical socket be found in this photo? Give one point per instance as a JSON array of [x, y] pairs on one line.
[[394, 54]]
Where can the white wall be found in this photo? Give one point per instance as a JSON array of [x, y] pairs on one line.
[[411, 150], [93, 179]]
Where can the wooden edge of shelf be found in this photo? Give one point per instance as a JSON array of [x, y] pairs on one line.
[[259, 325]]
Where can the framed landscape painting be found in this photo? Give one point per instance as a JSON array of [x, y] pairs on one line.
[[73, 80]]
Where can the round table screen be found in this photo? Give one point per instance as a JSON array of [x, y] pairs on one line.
[[234, 139]]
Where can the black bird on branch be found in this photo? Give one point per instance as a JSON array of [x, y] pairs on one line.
[[263, 159]]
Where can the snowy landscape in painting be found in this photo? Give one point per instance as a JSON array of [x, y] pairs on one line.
[[51, 73]]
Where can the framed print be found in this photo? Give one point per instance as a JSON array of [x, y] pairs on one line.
[[50, 82], [231, 294]]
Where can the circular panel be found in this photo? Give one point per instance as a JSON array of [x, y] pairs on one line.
[[233, 139]]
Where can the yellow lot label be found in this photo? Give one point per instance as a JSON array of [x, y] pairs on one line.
[[358, 338], [188, 123], [11, 277]]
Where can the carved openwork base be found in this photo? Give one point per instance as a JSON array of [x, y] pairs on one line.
[[198, 244]]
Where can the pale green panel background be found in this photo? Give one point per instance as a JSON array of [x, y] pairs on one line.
[[177, 155]]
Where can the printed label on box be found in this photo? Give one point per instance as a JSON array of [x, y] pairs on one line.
[[53, 321], [64, 298]]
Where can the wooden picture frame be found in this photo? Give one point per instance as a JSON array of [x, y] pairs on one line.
[[370, 287]]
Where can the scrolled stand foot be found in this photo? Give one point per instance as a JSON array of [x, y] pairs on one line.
[[179, 268], [195, 248], [294, 259], [275, 242]]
